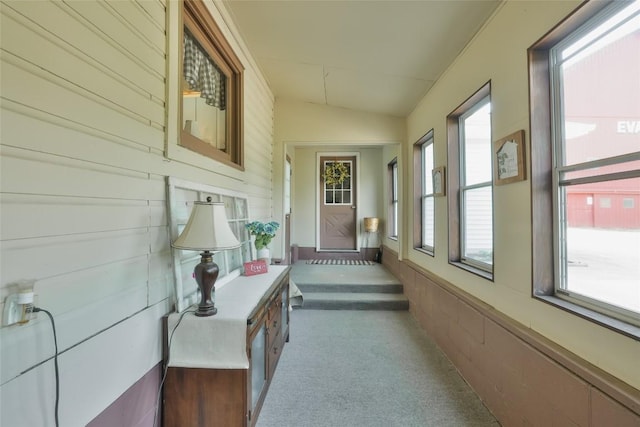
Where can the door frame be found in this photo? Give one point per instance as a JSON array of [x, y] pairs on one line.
[[318, 193]]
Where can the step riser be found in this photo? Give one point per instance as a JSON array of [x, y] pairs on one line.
[[381, 289], [355, 305]]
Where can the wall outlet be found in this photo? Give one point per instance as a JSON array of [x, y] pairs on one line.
[[18, 308]]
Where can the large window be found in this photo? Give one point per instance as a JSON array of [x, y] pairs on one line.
[[211, 113], [471, 189], [393, 202], [424, 217], [586, 162]]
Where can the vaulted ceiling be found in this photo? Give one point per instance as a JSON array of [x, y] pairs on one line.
[[377, 56]]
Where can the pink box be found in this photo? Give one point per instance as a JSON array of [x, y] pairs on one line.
[[252, 268]]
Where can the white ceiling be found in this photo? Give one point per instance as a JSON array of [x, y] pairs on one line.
[[378, 56]]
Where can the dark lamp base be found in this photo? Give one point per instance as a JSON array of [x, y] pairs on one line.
[[205, 312], [206, 274]]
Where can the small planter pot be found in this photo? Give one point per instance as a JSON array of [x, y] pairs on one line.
[[264, 254]]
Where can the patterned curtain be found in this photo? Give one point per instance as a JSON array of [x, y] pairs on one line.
[[201, 73]]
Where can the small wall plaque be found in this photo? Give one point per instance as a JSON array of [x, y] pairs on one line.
[[509, 159], [252, 268]]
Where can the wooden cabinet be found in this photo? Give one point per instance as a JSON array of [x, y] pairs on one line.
[[217, 392], [267, 333]]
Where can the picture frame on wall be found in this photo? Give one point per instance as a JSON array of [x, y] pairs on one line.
[[508, 159], [439, 181]]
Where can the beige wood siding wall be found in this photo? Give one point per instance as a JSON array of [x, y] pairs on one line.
[[83, 195]]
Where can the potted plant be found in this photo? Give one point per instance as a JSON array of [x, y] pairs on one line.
[[264, 232]]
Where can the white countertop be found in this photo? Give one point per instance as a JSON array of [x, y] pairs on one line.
[[219, 341]]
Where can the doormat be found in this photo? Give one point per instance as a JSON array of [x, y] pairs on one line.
[[339, 262]]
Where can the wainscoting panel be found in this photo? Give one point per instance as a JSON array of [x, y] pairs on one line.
[[522, 377], [136, 406]]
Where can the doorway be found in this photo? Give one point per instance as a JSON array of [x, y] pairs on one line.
[[338, 203]]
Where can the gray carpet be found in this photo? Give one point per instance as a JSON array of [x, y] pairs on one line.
[[366, 368]]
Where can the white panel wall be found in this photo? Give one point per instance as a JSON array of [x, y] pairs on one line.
[[83, 195]]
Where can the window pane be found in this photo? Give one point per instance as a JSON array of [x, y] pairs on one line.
[[235, 258], [244, 233], [478, 225], [428, 237], [229, 206], [346, 197], [603, 242], [395, 220], [203, 95], [628, 203], [427, 161], [600, 87], [476, 146], [328, 197], [220, 259], [246, 251], [241, 208], [393, 177], [395, 181], [348, 166]]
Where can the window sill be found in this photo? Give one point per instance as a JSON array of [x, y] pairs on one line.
[[616, 325], [394, 238], [425, 251], [474, 270], [198, 146]]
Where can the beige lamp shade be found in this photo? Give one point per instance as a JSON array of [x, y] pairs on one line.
[[371, 225], [207, 229]]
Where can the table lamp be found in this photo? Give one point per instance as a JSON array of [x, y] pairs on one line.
[[207, 230]]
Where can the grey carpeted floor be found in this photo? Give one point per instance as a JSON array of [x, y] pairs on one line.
[[366, 368]]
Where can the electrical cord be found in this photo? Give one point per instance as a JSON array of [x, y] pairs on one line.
[[166, 366], [57, 371], [55, 359]]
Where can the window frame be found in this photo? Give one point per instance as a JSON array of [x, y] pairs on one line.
[[392, 168], [544, 182], [196, 17], [422, 172], [454, 183]]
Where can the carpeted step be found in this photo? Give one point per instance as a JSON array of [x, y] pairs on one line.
[[354, 301], [383, 288]]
